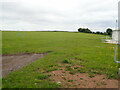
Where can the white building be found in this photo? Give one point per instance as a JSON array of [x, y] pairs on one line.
[[116, 36]]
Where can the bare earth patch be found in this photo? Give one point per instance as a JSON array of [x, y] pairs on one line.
[[16, 61], [81, 80]]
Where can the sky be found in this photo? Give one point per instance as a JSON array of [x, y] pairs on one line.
[[58, 15]]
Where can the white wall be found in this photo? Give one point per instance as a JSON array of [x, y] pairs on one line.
[[116, 35]]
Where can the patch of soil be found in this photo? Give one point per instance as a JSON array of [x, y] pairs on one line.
[[13, 62], [81, 80]]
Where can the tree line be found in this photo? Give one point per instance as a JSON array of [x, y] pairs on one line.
[[86, 30]]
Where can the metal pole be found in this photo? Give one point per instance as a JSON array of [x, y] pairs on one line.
[[115, 54], [115, 50], [18, 33]]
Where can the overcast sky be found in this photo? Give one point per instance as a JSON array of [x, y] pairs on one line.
[[67, 15]]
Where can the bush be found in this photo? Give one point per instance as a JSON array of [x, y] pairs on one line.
[[85, 30], [109, 31], [65, 61]]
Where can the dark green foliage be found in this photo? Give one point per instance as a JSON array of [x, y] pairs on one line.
[[70, 80], [97, 32], [85, 30], [101, 33], [109, 31], [65, 61]]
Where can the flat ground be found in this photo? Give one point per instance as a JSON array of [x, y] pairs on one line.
[[70, 79], [74, 60], [16, 61]]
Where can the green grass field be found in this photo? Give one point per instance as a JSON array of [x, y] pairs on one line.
[[67, 47]]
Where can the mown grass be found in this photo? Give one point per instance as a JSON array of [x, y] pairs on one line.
[[66, 48]]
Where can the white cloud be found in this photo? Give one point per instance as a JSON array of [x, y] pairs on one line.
[[58, 14]]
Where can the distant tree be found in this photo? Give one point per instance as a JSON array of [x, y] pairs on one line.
[[98, 32], [109, 31], [85, 30], [93, 32], [80, 30], [105, 33], [88, 31], [101, 33]]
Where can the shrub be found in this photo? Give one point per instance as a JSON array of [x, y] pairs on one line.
[[65, 61]]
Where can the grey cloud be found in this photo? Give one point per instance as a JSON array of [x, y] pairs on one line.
[[50, 15]]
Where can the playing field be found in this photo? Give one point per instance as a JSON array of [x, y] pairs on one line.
[[64, 49]]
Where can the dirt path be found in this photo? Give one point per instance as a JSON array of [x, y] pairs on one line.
[[81, 80], [13, 62]]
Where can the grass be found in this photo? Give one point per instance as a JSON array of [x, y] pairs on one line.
[[70, 80], [66, 48], [41, 77], [81, 78]]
